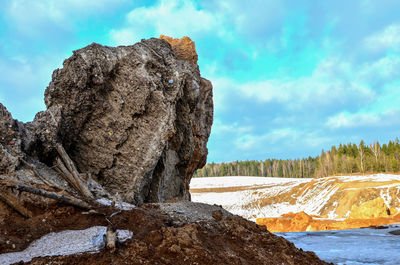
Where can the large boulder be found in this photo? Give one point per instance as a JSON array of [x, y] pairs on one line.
[[137, 118], [13, 136]]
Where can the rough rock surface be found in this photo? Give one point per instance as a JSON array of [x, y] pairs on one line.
[[10, 142], [137, 118]]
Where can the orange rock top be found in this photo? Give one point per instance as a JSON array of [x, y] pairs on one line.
[[184, 48]]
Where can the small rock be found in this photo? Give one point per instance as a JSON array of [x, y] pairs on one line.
[[395, 232]]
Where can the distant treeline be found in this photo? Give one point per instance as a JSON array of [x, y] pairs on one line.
[[345, 159]]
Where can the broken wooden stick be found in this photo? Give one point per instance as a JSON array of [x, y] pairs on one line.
[[11, 201], [111, 238], [81, 187], [65, 174], [52, 195]]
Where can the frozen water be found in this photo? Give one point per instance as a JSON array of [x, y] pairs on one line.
[[352, 247]]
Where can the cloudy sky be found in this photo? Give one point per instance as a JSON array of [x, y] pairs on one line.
[[290, 77]]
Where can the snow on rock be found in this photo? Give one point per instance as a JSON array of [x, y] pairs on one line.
[[65, 243]]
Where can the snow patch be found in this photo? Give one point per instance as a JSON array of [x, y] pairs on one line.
[[221, 182], [119, 205], [64, 243]]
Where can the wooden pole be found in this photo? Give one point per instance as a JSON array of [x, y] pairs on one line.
[[66, 174], [82, 188], [52, 195]]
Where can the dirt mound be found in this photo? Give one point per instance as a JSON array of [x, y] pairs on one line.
[[159, 236]]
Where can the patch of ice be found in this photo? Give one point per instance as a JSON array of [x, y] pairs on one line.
[[119, 205], [65, 243], [357, 246]]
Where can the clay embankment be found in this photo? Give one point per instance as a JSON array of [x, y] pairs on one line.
[[368, 214], [341, 202]]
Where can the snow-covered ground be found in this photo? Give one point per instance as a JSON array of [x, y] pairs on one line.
[[236, 181], [243, 202], [254, 197], [352, 247], [239, 201], [64, 243]]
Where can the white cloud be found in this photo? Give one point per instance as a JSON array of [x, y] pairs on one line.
[[329, 84], [385, 69], [389, 38], [124, 37], [221, 129], [250, 141], [359, 119], [282, 137], [251, 19], [31, 17], [176, 18], [346, 120]]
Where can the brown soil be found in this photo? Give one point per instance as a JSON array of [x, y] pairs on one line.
[[158, 238], [302, 222]]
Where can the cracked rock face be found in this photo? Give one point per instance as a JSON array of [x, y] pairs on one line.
[[136, 117]]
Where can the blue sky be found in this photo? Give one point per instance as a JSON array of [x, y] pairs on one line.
[[290, 77]]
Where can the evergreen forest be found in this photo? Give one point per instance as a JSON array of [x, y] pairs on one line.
[[344, 159]]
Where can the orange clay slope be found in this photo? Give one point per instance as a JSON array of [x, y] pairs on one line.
[[354, 202]]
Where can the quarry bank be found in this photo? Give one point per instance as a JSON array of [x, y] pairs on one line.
[[293, 205], [114, 152]]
